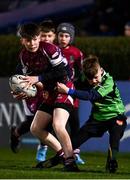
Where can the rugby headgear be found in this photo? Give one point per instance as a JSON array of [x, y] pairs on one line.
[[67, 28]]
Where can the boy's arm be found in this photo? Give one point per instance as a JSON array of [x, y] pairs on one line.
[[19, 69], [55, 74], [89, 94], [58, 69]]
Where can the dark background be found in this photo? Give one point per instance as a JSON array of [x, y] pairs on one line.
[[88, 15]]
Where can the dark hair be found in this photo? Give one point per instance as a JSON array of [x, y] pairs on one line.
[[128, 24], [90, 66], [47, 25], [28, 30]]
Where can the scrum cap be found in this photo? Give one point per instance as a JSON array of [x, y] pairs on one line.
[[67, 28]]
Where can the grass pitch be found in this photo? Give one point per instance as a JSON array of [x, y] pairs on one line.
[[20, 166]]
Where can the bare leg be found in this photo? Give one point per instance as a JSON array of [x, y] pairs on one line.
[[60, 117], [38, 126]]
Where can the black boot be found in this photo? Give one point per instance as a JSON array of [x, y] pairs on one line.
[[70, 165], [54, 161], [14, 140], [111, 166]]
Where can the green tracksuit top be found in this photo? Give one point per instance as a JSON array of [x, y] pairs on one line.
[[110, 105]]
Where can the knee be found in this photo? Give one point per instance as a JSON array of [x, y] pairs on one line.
[[57, 127], [34, 129]]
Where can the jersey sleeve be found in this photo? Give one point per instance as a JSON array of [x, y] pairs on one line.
[[54, 54], [89, 94], [55, 74], [57, 70]]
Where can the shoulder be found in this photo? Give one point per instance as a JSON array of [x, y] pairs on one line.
[[107, 83], [50, 49], [76, 50], [23, 54], [107, 78]]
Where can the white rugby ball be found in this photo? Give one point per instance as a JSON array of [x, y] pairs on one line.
[[18, 85]]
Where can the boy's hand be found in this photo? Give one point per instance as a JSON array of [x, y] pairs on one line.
[[62, 88], [39, 85], [45, 94], [30, 80], [19, 96]]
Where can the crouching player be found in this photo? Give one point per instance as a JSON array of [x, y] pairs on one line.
[[107, 112]]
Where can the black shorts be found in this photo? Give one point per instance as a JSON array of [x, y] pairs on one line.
[[67, 107], [98, 128], [93, 128], [48, 108]]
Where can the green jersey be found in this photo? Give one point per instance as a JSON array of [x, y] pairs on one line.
[[110, 105]]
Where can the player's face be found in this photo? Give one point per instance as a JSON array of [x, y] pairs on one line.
[[127, 31], [48, 36], [96, 80], [63, 39], [31, 45]]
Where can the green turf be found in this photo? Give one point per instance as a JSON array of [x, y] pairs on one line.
[[20, 166]]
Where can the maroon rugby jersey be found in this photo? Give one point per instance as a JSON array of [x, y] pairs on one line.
[[38, 62], [75, 59], [48, 62]]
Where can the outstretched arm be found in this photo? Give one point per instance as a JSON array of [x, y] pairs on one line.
[[90, 94]]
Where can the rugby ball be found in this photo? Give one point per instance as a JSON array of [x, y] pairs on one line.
[[18, 85]]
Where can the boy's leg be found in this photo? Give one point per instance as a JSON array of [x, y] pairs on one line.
[[38, 129], [111, 164], [78, 158], [88, 130], [83, 135], [74, 128], [17, 132], [41, 152], [116, 132], [42, 148], [60, 117], [53, 161]]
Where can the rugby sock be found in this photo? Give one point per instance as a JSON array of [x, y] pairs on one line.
[[25, 126], [77, 151], [60, 153], [69, 160], [114, 154]]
